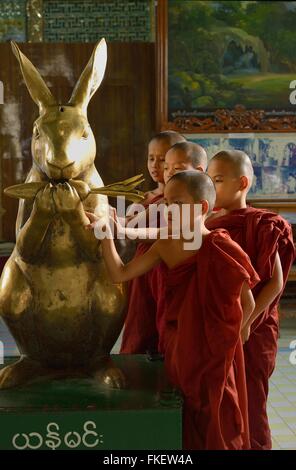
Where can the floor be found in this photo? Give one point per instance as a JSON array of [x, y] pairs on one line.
[[282, 396]]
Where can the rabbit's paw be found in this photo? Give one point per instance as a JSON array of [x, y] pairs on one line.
[[19, 373], [67, 201], [44, 204], [109, 375]]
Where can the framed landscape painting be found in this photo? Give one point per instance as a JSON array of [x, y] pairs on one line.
[[227, 65]]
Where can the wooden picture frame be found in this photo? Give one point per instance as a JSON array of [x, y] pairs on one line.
[[237, 119]]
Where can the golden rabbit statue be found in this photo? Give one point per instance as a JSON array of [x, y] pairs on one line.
[[55, 295]]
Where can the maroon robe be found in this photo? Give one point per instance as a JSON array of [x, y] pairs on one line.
[[203, 317], [140, 333], [261, 234]]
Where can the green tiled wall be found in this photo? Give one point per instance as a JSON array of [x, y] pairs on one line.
[[79, 20]]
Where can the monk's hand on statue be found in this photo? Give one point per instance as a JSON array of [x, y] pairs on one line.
[[44, 204], [67, 202], [114, 222], [93, 218], [112, 212], [100, 225], [102, 228]]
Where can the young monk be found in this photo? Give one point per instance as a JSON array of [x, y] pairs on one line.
[[207, 299], [140, 333], [184, 156], [144, 319], [267, 239], [157, 149]]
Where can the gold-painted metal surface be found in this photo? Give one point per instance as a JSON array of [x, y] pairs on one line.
[[55, 295], [124, 188]]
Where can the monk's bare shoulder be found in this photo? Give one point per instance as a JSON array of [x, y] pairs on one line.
[[216, 214]]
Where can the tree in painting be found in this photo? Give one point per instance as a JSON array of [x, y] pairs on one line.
[[223, 53]]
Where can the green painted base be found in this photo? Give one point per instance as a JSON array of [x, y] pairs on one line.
[[80, 414]]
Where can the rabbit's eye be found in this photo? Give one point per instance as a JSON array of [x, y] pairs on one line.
[[36, 132], [85, 134]]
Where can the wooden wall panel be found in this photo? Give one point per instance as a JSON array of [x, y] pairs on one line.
[[121, 113]]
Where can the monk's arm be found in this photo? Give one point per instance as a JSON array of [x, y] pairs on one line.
[[143, 235], [247, 303], [140, 218], [120, 272], [269, 292], [143, 226]]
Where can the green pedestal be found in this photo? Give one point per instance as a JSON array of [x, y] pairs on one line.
[[80, 414]]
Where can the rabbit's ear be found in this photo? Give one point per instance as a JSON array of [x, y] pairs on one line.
[[91, 77], [35, 83]]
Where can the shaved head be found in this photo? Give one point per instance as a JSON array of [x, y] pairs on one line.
[[198, 184], [194, 153], [168, 137], [239, 161]]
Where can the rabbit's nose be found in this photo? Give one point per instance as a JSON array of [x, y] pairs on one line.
[[59, 165]]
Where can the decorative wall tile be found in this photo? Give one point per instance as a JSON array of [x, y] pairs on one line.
[[88, 21]]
